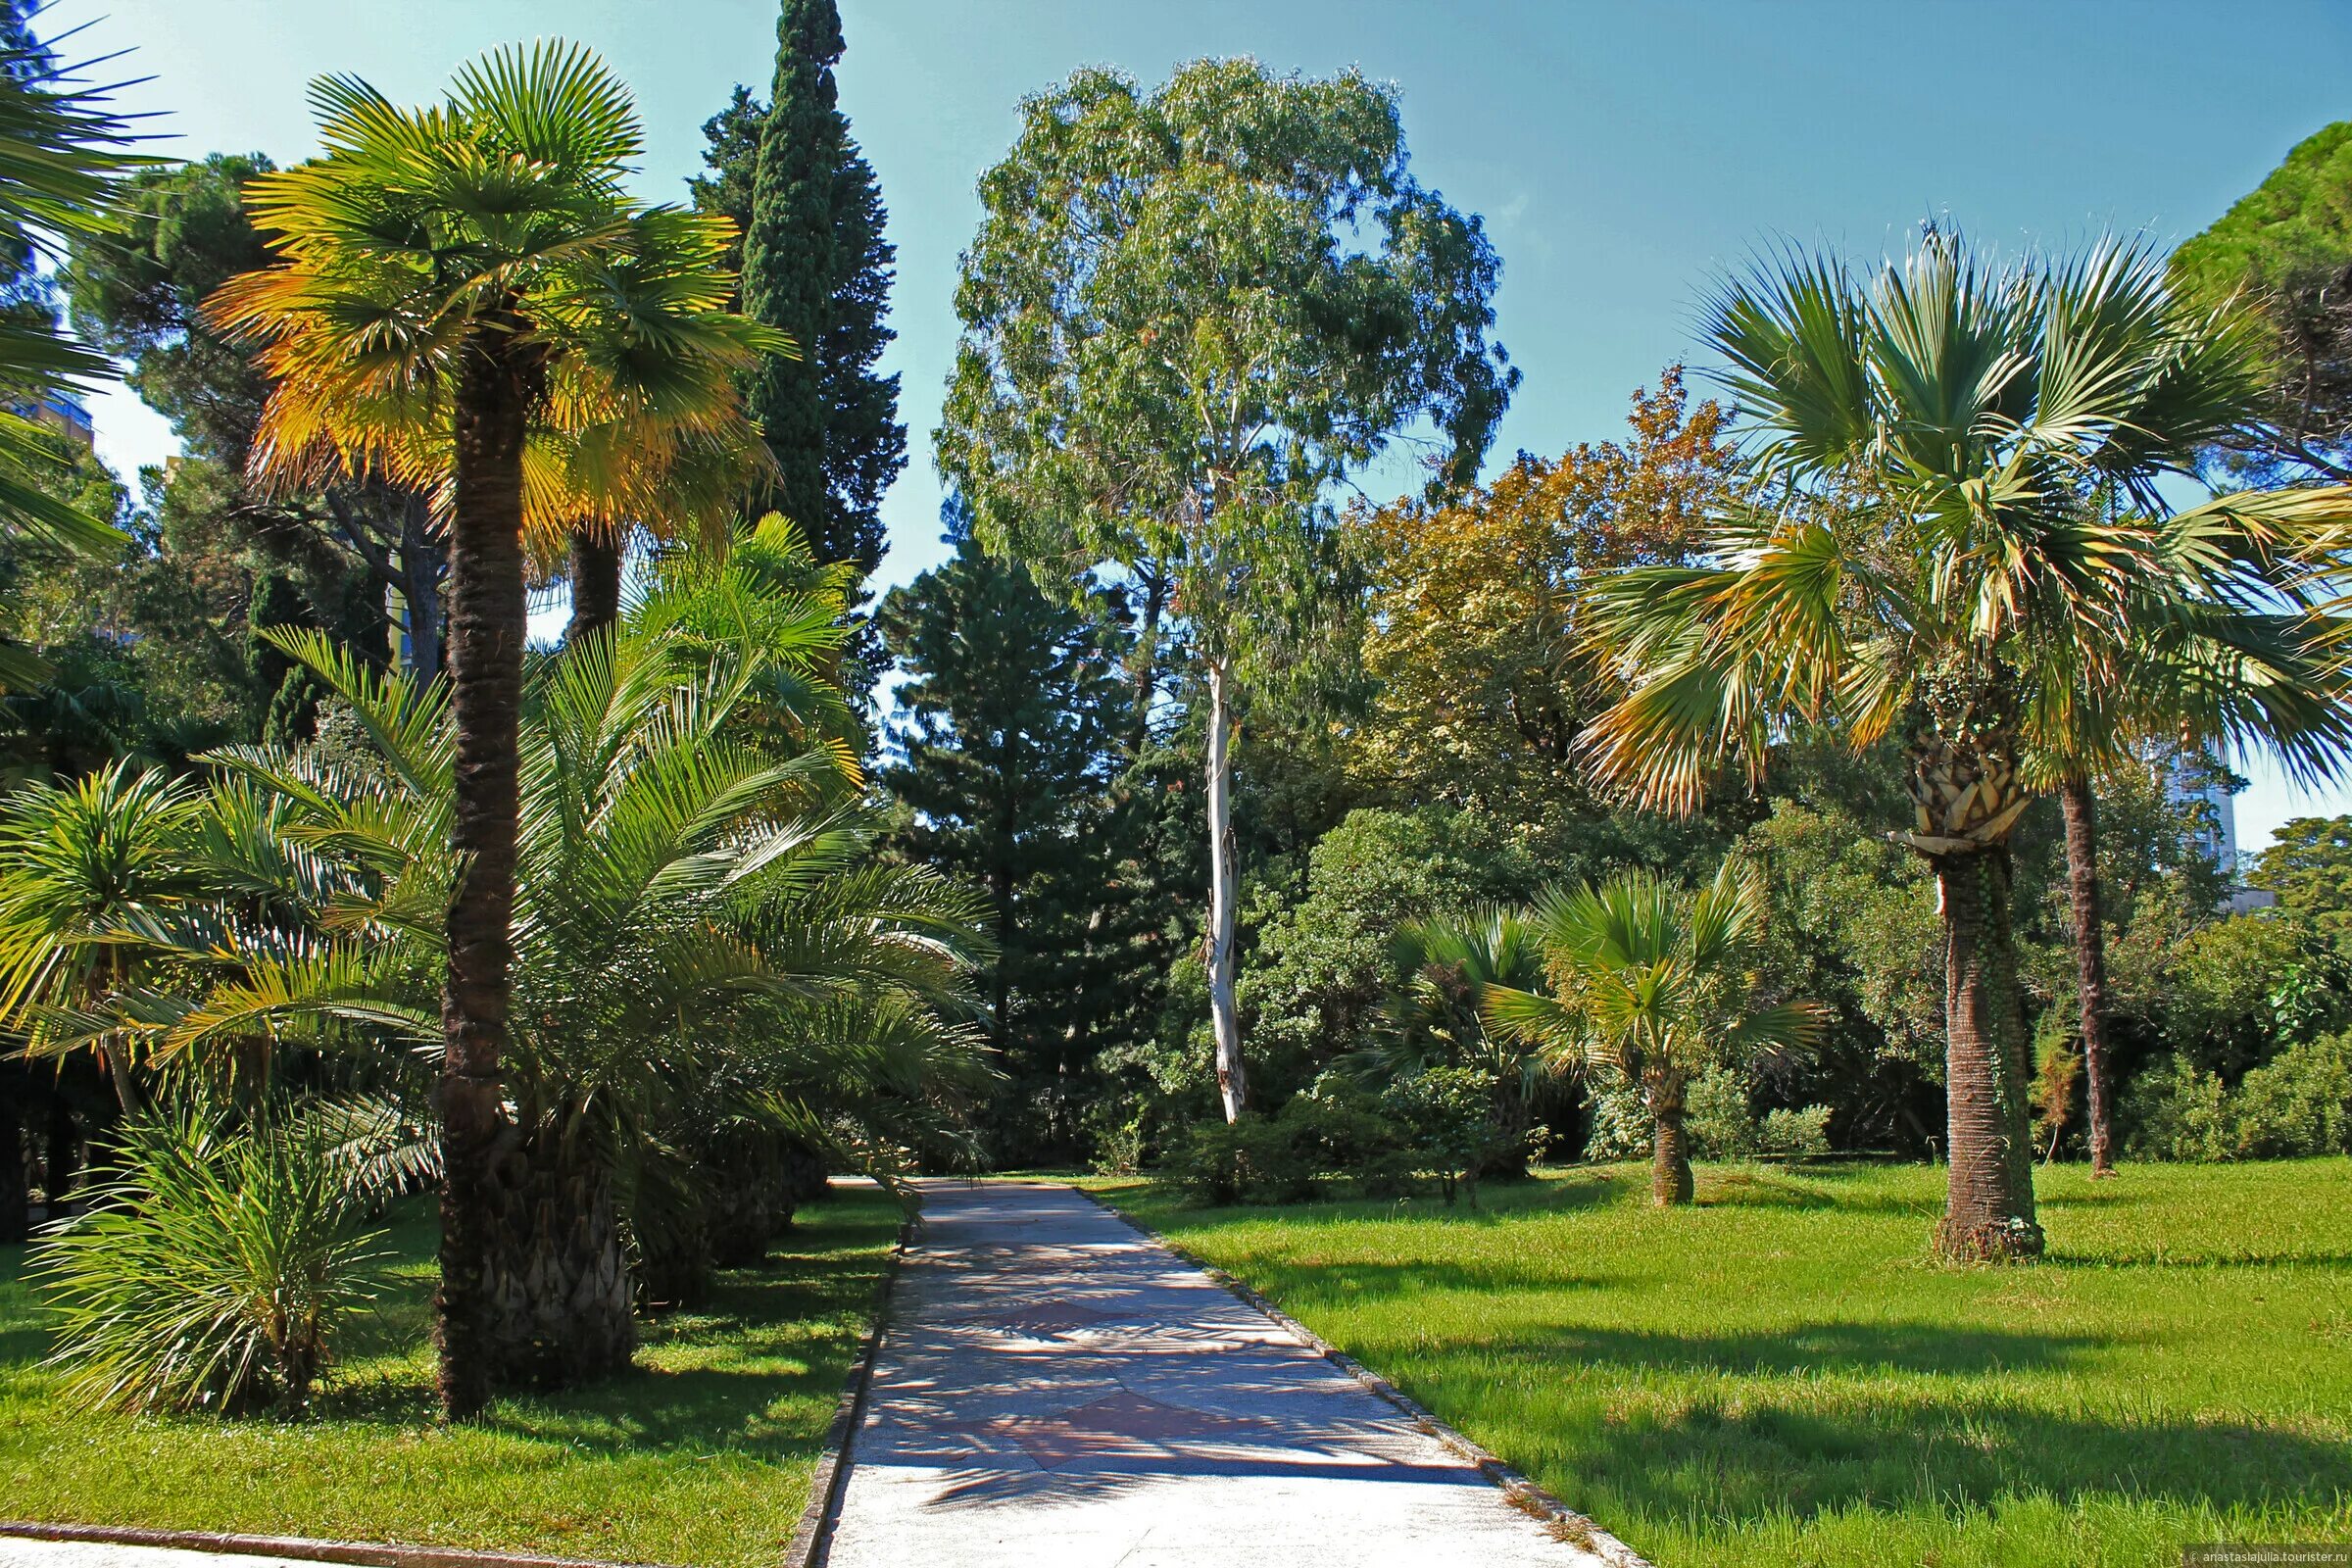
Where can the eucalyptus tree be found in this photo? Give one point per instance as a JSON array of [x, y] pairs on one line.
[[1917, 561], [1188, 315], [450, 273]]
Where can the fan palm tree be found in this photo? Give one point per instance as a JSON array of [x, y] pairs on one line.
[[1916, 560], [1649, 984], [1434, 1015], [451, 275], [2228, 682]]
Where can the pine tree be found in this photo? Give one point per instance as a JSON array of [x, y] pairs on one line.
[[816, 262], [1012, 715]]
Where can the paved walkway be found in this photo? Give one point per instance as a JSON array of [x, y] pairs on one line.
[[1057, 1392]]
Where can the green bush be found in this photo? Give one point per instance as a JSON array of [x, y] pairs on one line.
[[1716, 1117], [1446, 1116], [2178, 1110], [2300, 1102], [2297, 1103], [1251, 1161], [212, 1272], [1803, 1131], [1621, 1127]]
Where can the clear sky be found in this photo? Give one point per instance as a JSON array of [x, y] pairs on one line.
[[1622, 152]]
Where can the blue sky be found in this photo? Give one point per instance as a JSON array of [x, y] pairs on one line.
[[1623, 152]]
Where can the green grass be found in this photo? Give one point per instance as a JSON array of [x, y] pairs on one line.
[[702, 1456], [1784, 1376]]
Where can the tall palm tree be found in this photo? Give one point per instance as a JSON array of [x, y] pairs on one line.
[[451, 273], [1649, 985], [2229, 682], [1916, 560]]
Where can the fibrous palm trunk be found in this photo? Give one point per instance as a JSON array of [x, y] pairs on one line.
[[558, 1276], [2080, 808], [486, 628], [1232, 1086], [596, 561], [1988, 1207], [1670, 1179]]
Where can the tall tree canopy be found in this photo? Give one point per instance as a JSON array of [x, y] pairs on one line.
[[816, 264], [1011, 712], [1187, 314], [2286, 245]]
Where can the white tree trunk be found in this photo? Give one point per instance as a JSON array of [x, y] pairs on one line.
[[1232, 1087]]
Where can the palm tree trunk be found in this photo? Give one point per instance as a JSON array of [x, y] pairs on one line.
[[1670, 1181], [1988, 1209], [486, 629], [1233, 1085], [2080, 808], [596, 558], [558, 1279]]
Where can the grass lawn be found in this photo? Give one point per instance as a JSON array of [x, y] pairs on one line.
[[1784, 1376], [702, 1456]]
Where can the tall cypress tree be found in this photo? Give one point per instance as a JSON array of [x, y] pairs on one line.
[[816, 262], [1011, 718]]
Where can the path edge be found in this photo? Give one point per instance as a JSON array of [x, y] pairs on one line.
[[304, 1548], [813, 1535], [1521, 1492]]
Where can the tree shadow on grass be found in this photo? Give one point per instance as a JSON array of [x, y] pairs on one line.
[[755, 1371], [1765, 1454]]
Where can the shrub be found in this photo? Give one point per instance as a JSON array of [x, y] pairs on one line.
[[212, 1272], [1716, 1117], [1804, 1131], [2179, 1112], [2299, 1103], [1622, 1127], [1251, 1161], [1446, 1116]]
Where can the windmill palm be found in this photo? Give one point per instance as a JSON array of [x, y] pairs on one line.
[[451, 273], [1649, 984], [1917, 559], [2226, 681]]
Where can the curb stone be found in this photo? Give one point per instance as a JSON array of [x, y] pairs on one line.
[[805, 1549], [813, 1534], [1521, 1493], [357, 1554]]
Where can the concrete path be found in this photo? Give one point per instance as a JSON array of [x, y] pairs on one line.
[[16, 1552], [1056, 1392]]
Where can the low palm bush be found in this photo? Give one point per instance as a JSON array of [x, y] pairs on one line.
[[215, 1269]]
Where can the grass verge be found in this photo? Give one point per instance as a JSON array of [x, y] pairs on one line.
[[701, 1456], [1784, 1375]]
